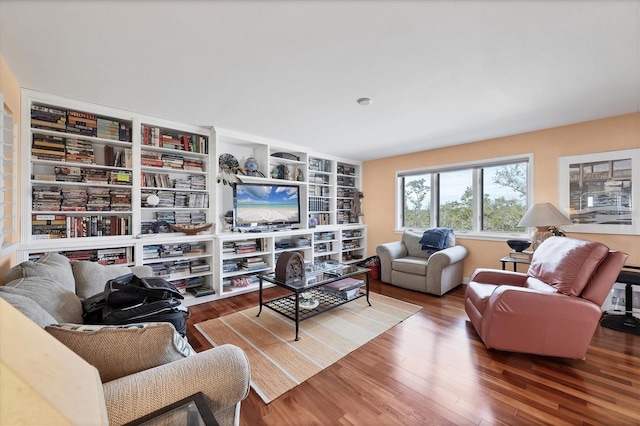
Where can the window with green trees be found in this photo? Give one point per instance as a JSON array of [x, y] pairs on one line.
[[490, 197]]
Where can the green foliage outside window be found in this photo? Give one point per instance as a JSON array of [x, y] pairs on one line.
[[499, 213]]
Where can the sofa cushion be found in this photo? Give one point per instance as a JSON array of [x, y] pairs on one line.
[[567, 263], [120, 350], [62, 304], [411, 265], [91, 277], [29, 308], [50, 265]]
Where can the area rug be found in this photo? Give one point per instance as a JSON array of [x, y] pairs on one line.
[[279, 363]]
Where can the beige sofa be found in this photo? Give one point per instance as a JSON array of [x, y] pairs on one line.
[[143, 367], [405, 264]]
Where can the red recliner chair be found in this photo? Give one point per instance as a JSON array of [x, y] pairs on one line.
[[551, 310]]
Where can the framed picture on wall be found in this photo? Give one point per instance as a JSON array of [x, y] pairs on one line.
[[600, 192]]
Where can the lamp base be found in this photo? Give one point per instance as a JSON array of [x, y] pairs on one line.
[[539, 235]]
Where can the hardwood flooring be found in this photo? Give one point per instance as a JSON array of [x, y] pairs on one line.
[[433, 369]]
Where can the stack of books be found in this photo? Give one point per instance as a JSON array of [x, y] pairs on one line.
[[346, 288], [44, 117], [521, 255], [254, 263], [82, 123], [246, 246], [46, 147]]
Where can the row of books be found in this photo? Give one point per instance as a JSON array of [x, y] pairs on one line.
[[346, 181], [111, 256], [350, 245], [343, 217], [176, 268], [156, 251], [346, 192], [60, 226], [521, 255], [162, 180], [78, 122], [318, 204], [248, 246], [171, 199], [351, 233], [155, 136], [118, 157], [84, 199], [55, 148], [319, 191], [87, 175], [321, 218], [253, 263], [345, 169], [171, 161]]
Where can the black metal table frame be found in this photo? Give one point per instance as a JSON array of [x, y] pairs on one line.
[[516, 262], [289, 305]]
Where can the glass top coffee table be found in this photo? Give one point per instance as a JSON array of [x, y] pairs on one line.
[[309, 295]]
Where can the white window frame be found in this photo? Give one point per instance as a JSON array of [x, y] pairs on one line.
[[477, 189]]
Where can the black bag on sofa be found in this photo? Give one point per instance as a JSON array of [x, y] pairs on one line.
[[129, 299], [129, 290]]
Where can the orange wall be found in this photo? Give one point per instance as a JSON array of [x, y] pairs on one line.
[[11, 90], [609, 134]]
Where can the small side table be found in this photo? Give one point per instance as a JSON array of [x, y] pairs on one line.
[[508, 259]]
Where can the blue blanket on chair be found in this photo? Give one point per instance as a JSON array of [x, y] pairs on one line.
[[434, 239]]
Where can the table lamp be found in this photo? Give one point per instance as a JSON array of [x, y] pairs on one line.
[[542, 216]]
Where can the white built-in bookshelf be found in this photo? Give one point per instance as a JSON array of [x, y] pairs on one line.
[[116, 187]]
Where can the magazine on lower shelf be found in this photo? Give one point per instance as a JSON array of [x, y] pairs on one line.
[[346, 288]]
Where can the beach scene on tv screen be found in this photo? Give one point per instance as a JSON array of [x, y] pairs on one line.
[[266, 204]]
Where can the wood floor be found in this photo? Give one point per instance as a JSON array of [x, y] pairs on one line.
[[433, 369]]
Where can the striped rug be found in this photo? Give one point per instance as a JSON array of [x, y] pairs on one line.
[[279, 363]]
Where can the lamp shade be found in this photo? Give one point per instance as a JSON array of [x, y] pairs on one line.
[[543, 215]]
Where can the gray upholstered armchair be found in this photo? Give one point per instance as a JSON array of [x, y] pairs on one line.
[[405, 264]]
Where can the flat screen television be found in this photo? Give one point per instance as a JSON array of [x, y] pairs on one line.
[[263, 205]]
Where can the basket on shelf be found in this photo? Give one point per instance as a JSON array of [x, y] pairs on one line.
[[190, 229]]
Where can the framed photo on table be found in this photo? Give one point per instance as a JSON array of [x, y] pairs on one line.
[[600, 192]]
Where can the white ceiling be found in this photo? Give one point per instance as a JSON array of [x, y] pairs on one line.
[[439, 72]]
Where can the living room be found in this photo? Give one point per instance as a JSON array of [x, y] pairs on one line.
[[610, 127]]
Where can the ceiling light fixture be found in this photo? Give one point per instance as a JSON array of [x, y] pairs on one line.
[[364, 101]]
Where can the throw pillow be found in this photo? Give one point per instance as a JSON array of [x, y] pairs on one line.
[[61, 303], [435, 239], [50, 265], [91, 276], [120, 350], [29, 308]]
